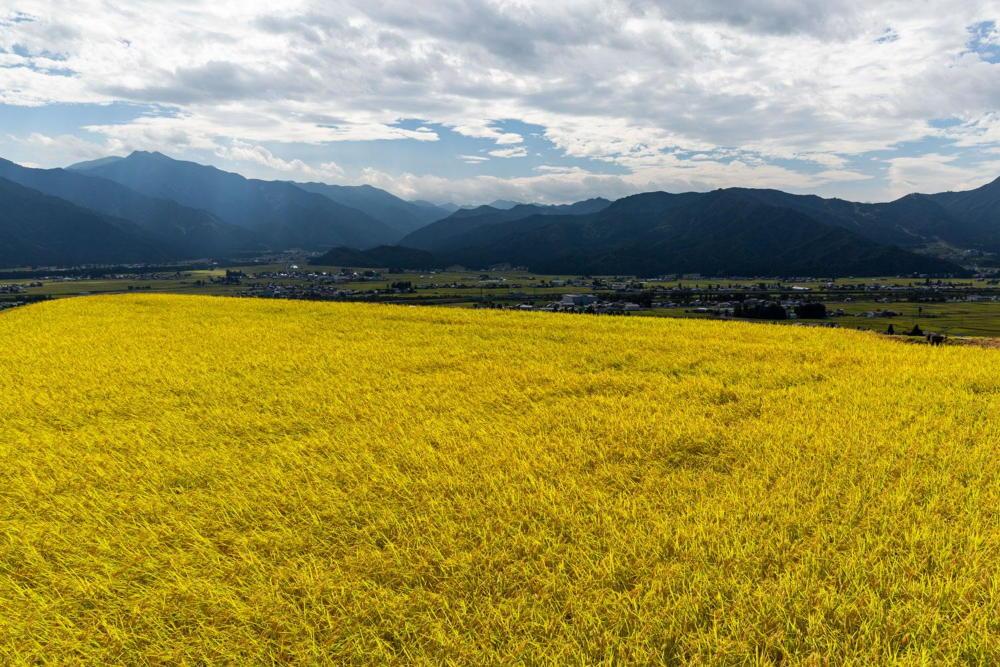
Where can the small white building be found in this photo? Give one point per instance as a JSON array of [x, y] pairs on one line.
[[578, 300]]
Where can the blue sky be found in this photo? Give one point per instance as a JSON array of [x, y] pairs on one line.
[[472, 100]]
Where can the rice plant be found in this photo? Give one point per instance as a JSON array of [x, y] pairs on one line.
[[204, 480]]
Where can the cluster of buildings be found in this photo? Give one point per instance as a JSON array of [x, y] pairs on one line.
[[298, 275], [316, 292], [578, 303], [16, 288], [753, 308]]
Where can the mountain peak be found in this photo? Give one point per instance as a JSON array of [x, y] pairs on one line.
[[148, 154]]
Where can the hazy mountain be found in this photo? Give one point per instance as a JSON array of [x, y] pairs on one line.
[[99, 162], [979, 211], [909, 222], [380, 257], [41, 230], [447, 208], [279, 213], [447, 234], [397, 214], [147, 205], [504, 204], [727, 232], [180, 232]]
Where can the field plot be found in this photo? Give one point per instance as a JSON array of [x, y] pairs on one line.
[[958, 319], [207, 480]]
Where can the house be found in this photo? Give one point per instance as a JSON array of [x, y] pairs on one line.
[[575, 300]]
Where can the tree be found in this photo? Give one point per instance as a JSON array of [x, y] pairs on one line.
[[812, 310]]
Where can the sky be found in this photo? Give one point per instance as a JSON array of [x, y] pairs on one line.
[[548, 101]]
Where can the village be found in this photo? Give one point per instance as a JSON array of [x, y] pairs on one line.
[[965, 307]]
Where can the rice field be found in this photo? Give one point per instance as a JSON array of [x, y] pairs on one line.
[[205, 480]]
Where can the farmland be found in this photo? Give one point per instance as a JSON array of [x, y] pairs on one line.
[[966, 308], [233, 480]]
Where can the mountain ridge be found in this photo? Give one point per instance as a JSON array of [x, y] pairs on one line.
[[719, 233], [184, 232], [280, 213], [396, 213], [436, 235], [37, 229], [160, 206]]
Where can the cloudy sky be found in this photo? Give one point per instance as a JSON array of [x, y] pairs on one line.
[[468, 101]]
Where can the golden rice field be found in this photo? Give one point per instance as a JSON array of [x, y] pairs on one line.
[[219, 481]]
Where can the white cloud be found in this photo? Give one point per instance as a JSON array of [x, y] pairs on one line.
[[509, 138], [488, 130], [830, 160], [841, 175], [934, 172], [629, 82], [520, 151], [557, 184], [239, 151], [65, 148]]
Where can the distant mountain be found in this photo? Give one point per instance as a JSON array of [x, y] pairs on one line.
[[381, 257], [40, 230], [909, 222], [447, 207], [179, 231], [444, 235], [397, 214], [99, 162], [727, 232], [979, 211], [147, 205], [504, 204], [279, 213]]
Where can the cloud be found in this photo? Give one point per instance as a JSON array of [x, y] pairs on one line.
[[205, 127], [555, 184], [933, 172], [761, 83], [239, 151], [509, 138], [520, 151], [488, 130], [69, 148], [829, 18]]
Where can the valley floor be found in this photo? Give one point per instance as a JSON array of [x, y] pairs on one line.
[[203, 480]]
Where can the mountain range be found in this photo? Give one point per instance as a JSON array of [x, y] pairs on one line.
[[726, 232], [178, 231], [278, 213], [147, 207], [467, 225]]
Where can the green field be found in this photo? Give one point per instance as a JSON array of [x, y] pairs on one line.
[[467, 288], [187, 284], [954, 319]]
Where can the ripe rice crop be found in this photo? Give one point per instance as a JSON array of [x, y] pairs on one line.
[[207, 480]]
